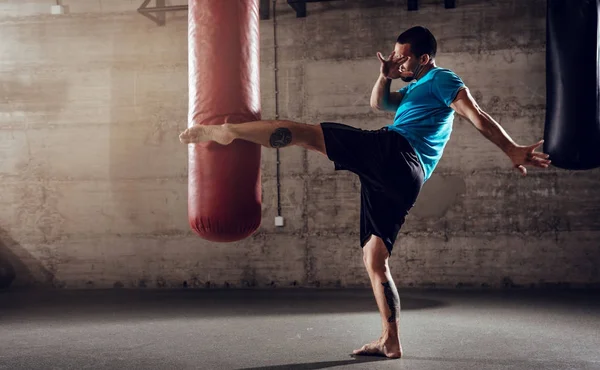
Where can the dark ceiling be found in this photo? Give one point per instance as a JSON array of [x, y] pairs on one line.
[[157, 12]]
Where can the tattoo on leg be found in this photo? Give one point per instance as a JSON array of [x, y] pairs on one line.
[[391, 301], [281, 137]]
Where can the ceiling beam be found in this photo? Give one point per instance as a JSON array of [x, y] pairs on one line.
[[299, 6], [157, 13]]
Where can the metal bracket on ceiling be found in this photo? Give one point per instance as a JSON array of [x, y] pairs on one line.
[[157, 13], [413, 5], [264, 10], [300, 6], [450, 4]]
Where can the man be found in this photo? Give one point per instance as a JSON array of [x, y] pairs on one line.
[[393, 162]]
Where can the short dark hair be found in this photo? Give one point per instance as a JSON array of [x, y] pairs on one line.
[[421, 41]]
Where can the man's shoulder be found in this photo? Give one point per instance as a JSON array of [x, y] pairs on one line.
[[440, 73], [446, 78]]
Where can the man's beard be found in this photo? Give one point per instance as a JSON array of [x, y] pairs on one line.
[[414, 75]]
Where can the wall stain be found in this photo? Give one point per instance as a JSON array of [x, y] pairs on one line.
[[438, 195]]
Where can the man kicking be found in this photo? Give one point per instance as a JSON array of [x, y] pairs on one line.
[[392, 162]]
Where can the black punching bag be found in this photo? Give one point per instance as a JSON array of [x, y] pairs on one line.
[[572, 128]]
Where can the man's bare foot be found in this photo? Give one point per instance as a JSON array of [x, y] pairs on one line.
[[203, 133], [388, 348]]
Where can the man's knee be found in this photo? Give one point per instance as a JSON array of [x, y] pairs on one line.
[[375, 255]]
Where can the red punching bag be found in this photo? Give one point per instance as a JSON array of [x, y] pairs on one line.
[[224, 191]]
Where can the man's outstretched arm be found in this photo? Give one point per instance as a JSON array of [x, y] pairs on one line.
[[465, 106]]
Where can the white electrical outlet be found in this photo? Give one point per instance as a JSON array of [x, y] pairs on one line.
[[279, 221]]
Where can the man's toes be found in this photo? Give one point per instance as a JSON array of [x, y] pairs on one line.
[[368, 349], [358, 351], [361, 350]]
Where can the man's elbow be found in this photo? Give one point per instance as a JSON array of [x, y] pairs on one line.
[[376, 107]]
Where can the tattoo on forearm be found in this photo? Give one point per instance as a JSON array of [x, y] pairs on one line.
[[280, 137], [392, 301]]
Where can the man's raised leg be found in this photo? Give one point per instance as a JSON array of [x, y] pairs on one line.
[[376, 257], [271, 134]]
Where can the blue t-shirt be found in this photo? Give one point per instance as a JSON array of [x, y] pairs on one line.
[[424, 116]]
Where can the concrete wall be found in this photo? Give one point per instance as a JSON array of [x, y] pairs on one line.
[[93, 189]]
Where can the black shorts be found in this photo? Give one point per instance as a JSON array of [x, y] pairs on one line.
[[390, 174]]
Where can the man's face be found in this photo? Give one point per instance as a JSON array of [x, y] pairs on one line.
[[410, 65]]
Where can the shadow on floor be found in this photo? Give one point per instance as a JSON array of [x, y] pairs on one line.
[[320, 364], [515, 363]]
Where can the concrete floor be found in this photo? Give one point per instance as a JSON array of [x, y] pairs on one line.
[[204, 329]]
